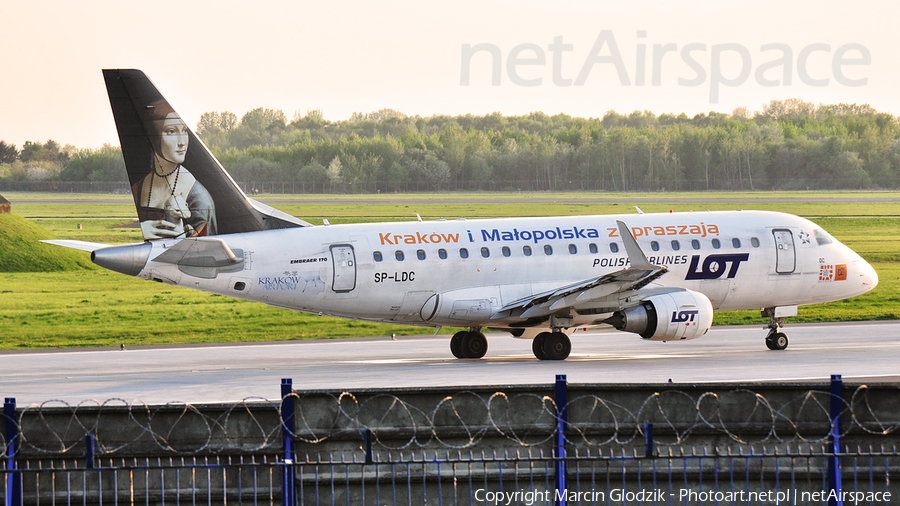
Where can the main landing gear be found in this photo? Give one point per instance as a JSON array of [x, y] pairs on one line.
[[551, 346], [468, 344], [775, 340]]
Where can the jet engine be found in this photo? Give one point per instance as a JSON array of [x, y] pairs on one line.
[[666, 317]]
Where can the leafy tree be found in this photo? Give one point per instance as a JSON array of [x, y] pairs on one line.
[[334, 171], [104, 164], [8, 153]]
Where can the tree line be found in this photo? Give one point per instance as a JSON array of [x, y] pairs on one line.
[[790, 144]]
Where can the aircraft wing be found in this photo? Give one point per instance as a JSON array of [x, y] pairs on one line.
[[638, 274], [551, 301]]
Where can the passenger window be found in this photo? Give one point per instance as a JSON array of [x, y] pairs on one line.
[[654, 245], [548, 250], [716, 244], [526, 250], [592, 247], [573, 249], [614, 247], [754, 242], [442, 253], [736, 243], [463, 253], [821, 237], [399, 255], [420, 254], [485, 252], [377, 256], [695, 244], [505, 251], [676, 245]]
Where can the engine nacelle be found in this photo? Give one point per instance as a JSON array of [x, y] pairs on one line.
[[665, 317]]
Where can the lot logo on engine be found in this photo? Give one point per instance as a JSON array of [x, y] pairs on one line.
[[684, 316]]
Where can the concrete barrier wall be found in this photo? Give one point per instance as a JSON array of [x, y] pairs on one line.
[[601, 418], [440, 443], [491, 418]]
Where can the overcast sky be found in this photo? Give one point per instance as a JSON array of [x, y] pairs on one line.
[[572, 57]]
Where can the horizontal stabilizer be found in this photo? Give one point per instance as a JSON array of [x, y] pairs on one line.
[[81, 245]]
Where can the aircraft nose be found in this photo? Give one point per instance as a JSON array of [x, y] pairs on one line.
[[867, 273]]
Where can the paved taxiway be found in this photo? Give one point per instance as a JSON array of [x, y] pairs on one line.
[[215, 373]]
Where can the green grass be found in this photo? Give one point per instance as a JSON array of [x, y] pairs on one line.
[[101, 308], [22, 251]]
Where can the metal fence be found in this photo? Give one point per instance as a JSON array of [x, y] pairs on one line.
[[545, 444], [388, 187]]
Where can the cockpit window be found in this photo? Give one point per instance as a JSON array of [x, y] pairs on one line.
[[821, 237]]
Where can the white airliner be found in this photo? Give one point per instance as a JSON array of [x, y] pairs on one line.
[[660, 276]]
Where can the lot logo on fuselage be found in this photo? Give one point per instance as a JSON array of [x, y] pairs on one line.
[[715, 265]]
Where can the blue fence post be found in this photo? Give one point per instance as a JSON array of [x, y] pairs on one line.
[[13, 479], [834, 464], [648, 435], [368, 436], [562, 399], [287, 434], [89, 451]]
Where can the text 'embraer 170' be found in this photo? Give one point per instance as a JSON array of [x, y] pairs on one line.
[[538, 278]]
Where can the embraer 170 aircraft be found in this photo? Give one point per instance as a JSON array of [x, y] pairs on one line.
[[660, 276]]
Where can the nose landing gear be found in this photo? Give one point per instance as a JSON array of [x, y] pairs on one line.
[[776, 340]]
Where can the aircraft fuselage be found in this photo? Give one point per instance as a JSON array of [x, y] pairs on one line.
[[391, 272]]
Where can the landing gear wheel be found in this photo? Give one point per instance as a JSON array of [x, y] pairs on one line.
[[557, 346], [473, 345], [777, 341], [537, 346], [456, 344]]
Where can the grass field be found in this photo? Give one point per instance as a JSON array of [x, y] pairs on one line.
[[96, 307]]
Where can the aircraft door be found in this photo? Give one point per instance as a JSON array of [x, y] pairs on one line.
[[786, 259], [343, 261]]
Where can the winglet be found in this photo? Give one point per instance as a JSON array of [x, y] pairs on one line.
[[635, 253]]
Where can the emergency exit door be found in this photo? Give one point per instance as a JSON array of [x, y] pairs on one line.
[[785, 257], [344, 266]]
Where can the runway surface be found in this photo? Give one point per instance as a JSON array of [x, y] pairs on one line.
[[224, 373]]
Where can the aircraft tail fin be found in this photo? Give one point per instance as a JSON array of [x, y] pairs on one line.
[[180, 189]]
